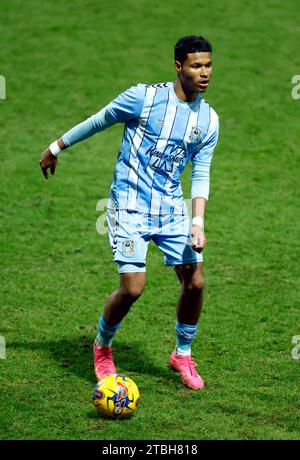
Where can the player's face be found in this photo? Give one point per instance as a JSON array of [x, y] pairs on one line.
[[195, 72]]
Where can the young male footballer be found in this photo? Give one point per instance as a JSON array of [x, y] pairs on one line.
[[166, 125]]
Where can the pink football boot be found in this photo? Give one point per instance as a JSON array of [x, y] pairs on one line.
[[185, 365], [103, 362]]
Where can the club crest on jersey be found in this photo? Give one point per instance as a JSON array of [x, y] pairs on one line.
[[195, 134], [127, 247]]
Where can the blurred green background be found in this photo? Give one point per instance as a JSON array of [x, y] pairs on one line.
[[64, 60]]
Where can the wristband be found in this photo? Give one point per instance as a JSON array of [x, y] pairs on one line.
[[198, 220], [54, 148]]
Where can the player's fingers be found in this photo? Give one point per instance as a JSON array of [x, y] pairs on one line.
[[52, 169], [44, 171], [197, 248], [201, 241], [196, 241], [198, 245]]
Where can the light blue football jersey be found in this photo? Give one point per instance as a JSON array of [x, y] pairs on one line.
[[162, 133]]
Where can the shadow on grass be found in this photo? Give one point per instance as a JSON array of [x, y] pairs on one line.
[[76, 356]]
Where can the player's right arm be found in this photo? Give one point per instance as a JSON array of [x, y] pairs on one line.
[[98, 122], [126, 106]]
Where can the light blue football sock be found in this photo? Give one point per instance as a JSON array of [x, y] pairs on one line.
[[106, 332], [186, 334]]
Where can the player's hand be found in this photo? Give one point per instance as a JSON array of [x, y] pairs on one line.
[[48, 161], [198, 238]]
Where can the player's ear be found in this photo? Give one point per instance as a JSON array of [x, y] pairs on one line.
[[178, 66]]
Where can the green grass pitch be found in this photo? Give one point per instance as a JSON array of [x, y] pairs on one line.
[[63, 61]]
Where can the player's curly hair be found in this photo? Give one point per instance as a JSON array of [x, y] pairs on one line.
[[190, 44]]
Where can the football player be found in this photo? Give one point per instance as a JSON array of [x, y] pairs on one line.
[[166, 125]]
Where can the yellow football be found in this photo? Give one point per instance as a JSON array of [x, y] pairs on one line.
[[116, 396]]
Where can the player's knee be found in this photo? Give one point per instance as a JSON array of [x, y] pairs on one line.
[[133, 290], [195, 284]]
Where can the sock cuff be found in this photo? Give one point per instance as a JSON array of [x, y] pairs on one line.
[[186, 328], [186, 334], [107, 327]]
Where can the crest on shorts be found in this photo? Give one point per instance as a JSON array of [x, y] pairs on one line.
[[195, 134], [128, 247]]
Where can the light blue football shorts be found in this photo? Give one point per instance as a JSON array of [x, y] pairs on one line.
[[130, 233]]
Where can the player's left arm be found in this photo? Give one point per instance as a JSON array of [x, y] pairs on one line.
[[198, 213], [201, 163]]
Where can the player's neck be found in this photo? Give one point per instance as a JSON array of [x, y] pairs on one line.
[[182, 93]]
